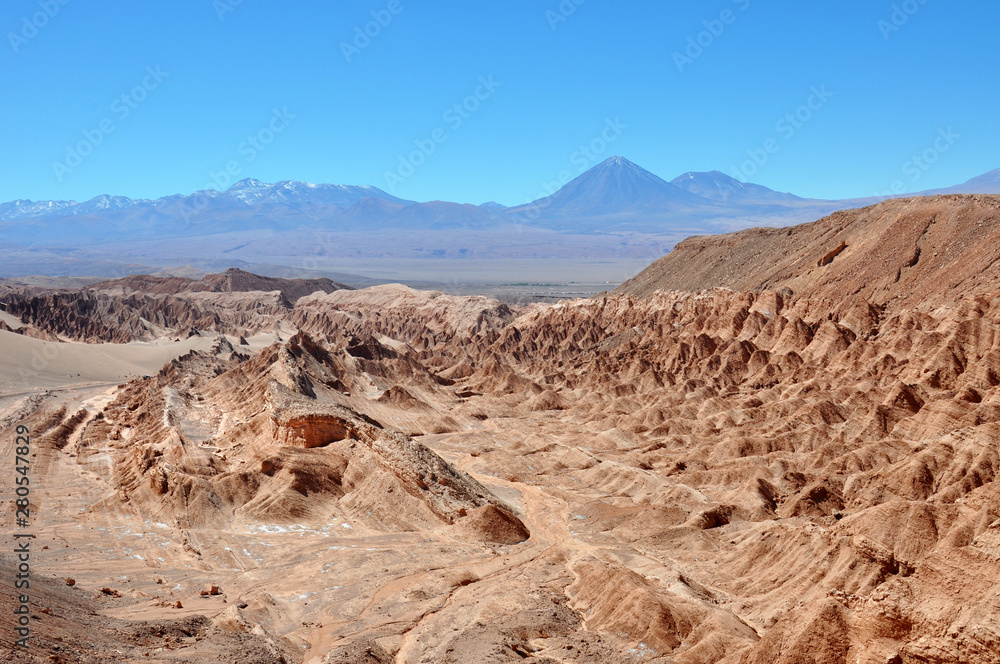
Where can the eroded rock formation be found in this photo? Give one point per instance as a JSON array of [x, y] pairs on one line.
[[774, 446]]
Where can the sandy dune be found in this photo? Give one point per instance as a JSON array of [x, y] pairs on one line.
[[30, 365]]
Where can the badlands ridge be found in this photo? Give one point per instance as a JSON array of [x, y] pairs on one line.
[[776, 446]]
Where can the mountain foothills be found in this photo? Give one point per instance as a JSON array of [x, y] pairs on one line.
[[906, 252], [774, 446], [615, 211]]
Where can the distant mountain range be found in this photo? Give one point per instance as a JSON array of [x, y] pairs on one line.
[[611, 194], [716, 186], [248, 193], [988, 183], [608, 195], [256, 222]]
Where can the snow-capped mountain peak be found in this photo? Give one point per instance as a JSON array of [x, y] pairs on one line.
[[248, 183], [25, 209], [717, 186]]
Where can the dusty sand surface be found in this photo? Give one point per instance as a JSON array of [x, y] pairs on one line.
[[12, 322], [800, 473], [30, 365]]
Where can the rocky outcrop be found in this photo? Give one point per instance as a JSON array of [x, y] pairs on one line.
[[901, 253], [278, 448], [232, 280], [143, 308]]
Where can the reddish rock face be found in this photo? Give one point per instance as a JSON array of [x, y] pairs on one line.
[[899, 254], [311, 431]]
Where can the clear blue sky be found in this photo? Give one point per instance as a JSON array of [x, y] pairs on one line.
[[558, 84]]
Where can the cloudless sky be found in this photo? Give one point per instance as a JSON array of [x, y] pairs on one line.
[[231, 64]]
